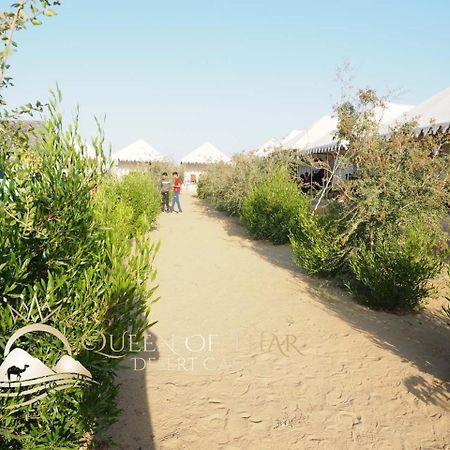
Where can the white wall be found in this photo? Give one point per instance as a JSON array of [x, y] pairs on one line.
[[190, 170]]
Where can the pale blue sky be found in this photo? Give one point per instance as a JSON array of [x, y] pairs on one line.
[[178, 73]]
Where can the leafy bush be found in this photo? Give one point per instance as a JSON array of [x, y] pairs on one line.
[[396, 272], [156, 168], [128, 205], [396, 178], [111, 211], [316, 244], [226, 186], [270, 209], [60, 266], [140, 193], [214, 186]]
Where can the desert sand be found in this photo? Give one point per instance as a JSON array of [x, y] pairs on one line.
[[250, 353]]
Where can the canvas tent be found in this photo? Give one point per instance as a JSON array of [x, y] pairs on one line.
[[291, 137], [135, 156], [327, 142], [195, 162], [431, 115], [326, 124], [321, 140], [268, 147]]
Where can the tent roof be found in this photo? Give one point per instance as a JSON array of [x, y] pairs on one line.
[[206, 153], [139, 151], [268, 147], [327, 142], [291, 137], [431, 113], [325, 125], [391, 112]]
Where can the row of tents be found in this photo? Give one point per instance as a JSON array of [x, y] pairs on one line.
[[432, 115], [142, 151], [132, 156]]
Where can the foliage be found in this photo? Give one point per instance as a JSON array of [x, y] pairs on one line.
[[140, 192], [128, 205], [226, 186], [20, 14], [395, 272], [112, 212], [270, 209], [60, 266], [397, 177], [316, 244], [156, 168]]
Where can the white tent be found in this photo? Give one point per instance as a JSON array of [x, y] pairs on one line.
[[391, 112], [327, 141], [205, 154], [139, 151], [321, 136], [133, 156], [268, 147], [326, 124], [195, 163], [291, 137], [432, 114]]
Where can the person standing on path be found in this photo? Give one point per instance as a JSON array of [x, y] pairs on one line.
[[165, 189], [176, 192]]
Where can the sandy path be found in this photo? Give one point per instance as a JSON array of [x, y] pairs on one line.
[[252, 354]]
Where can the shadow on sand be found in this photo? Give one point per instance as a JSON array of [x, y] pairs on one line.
[[422, 338], [134, 429]]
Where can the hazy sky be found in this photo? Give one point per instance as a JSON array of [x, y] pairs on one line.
[[236, 73]]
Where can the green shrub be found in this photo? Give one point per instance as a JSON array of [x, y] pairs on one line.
[[139, 191], [60, 266], [156, 168], [395, 273], [315, 243], [226, 186], [271, 208], [111, 211], [128, 205]]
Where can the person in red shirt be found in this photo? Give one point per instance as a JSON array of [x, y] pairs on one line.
[[176, 192]]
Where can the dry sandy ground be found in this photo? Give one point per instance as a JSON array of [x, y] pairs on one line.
[[249, 353]]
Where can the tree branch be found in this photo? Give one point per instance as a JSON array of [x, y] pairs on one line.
[[9, 41]]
